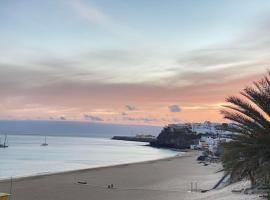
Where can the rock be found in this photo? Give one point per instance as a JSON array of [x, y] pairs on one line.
[[179, 137]]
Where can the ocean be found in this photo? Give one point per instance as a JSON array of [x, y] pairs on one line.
[[26, 157], [73, 128]]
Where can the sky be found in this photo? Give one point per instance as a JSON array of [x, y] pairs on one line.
[[148, 62]]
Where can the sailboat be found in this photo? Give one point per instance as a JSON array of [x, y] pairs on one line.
[[45, 142], [4, 145]]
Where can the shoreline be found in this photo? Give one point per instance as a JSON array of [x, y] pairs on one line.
[[167, 178], [18, 178]]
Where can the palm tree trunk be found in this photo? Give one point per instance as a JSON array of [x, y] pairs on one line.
[[252, 179]]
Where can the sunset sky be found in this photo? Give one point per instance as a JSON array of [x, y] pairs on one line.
[[129, 61]]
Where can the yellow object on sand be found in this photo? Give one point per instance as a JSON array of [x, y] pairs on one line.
[[4, 196]]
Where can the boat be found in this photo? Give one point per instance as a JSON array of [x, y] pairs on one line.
[[4, 145], [45, 142]]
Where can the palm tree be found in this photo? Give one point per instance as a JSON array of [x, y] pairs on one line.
[[248, 154]]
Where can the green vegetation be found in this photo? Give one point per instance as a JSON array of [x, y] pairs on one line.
[[248, 154]]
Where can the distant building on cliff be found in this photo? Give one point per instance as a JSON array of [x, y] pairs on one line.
[[210, 128], [185, 127]]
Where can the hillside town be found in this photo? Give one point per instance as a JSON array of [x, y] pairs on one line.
[[205, 136]]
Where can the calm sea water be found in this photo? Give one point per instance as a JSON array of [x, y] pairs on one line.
[[25, 156]]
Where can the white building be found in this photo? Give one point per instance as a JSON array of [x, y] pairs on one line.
[[209, 128], [211, 144]]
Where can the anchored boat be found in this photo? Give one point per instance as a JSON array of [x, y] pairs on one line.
[[45, 142], [5, 144]]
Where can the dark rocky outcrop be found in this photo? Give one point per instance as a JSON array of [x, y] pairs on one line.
[[176, 137]]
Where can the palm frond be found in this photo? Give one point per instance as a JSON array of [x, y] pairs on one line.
[[248, 154]]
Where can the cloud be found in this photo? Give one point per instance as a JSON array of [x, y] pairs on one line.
[[141, 119], [124, 114], [215, 64], [95, 15], [88, 12], [62, 118], [217, 71], [131, 108], [93, 118], [174, 108]]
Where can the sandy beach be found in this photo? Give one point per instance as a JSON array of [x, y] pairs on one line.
[[168, 179]]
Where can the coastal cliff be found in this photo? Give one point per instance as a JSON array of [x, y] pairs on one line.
[[175, 137]]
